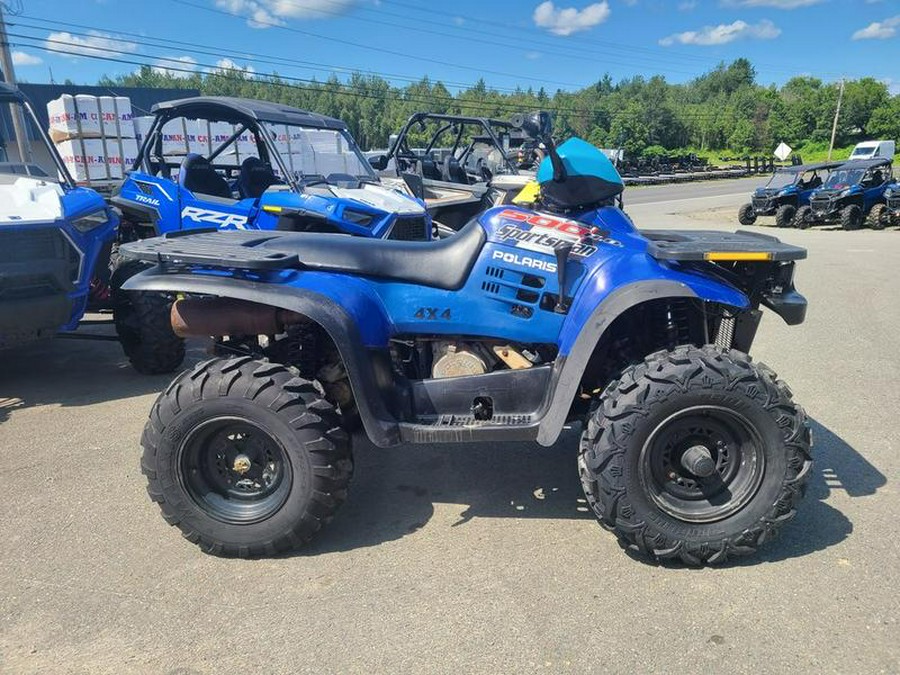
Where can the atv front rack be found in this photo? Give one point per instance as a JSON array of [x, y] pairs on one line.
[[690, 245], [230, 250]]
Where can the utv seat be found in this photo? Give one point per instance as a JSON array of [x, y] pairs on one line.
[[198, 175], [444, 263], [255, 178]]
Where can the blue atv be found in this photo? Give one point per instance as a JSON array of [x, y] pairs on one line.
[[788, 190], [55, 239], [252, 165], [853, 195], [520, 323]]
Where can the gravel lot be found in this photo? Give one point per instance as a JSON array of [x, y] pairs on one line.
[[464, 559]]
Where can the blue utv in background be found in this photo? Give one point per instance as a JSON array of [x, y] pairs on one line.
[[270, 167], [788, 190], [853, 195], [891, 212], [55, 239], [276, 168], [521, 323]]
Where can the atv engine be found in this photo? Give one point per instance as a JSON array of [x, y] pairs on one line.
[[455, 359]]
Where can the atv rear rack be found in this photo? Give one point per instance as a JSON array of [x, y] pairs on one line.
[[687, 245], [222, 249]]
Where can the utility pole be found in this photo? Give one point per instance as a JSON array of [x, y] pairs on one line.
[[837, 114], [9, 76]]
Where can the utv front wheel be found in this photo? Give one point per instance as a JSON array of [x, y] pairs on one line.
[[851, 217], [784, 216], [746, 215], [245, 458], [144, 326], [697, 454], [878, 217], [803, 217]]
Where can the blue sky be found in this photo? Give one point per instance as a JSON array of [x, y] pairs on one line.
[[565, 44]]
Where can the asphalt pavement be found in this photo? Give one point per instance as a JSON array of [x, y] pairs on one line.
[[452, 559]]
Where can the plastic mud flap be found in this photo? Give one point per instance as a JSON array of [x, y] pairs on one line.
[[686, 245], [782, 298]]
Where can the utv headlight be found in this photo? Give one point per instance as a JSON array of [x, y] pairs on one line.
[[91, 221], [358, 217], [845, 193]]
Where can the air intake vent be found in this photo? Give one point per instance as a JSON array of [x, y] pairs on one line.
[[490, 287], [495, 272]]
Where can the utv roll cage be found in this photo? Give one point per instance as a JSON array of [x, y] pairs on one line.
[[245, 115]]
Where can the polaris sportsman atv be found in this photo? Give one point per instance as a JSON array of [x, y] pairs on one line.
[[463, 169], [788, 189], [852, 195], [55, 239], [253, 165], [522, 322]]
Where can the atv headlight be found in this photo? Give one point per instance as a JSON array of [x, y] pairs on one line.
[[845, 193], [91, 221]]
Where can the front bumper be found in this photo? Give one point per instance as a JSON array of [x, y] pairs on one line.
[[764, 206], [35, 314], [893, 205]]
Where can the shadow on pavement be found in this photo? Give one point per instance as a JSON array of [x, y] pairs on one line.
[[819, 525], [395, 490], [69, 372]]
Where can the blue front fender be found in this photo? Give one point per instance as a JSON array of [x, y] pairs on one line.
[[641, 269]]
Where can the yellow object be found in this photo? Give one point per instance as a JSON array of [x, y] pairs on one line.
[[719, 256], [528, 194], [272, 209]]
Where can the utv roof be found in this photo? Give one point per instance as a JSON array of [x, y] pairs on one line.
[[10, 94], [803, 168], [240, 110], [866, 163]]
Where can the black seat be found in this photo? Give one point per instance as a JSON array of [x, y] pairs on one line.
[[453, 172], [444, 263], [255, 178], [198, 175]]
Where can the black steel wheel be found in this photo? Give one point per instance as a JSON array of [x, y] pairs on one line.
[[746, 215], [702, 464], [234, 470], [697, 454], [245, 458]]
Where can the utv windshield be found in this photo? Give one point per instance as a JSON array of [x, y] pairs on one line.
[[844, 178], [781, 179], [44, 161], [310, 152]]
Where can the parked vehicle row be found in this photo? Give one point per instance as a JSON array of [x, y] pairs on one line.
[[852, 193]]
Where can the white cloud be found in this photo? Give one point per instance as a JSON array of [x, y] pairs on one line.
[[570, 20], [96, 44], [175, 65], [724, 33], [777, 4], [25, 59], [228, 66], [879, 30], [687, 5], [268, 13]]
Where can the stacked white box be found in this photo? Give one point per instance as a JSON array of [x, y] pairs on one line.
[[85, 158], [142, 127], [74, 117], [116, 116], [174, 138]]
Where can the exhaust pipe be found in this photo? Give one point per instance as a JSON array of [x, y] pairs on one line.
[[202, 317]]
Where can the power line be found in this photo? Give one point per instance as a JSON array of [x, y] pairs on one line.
[[310, 85]]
